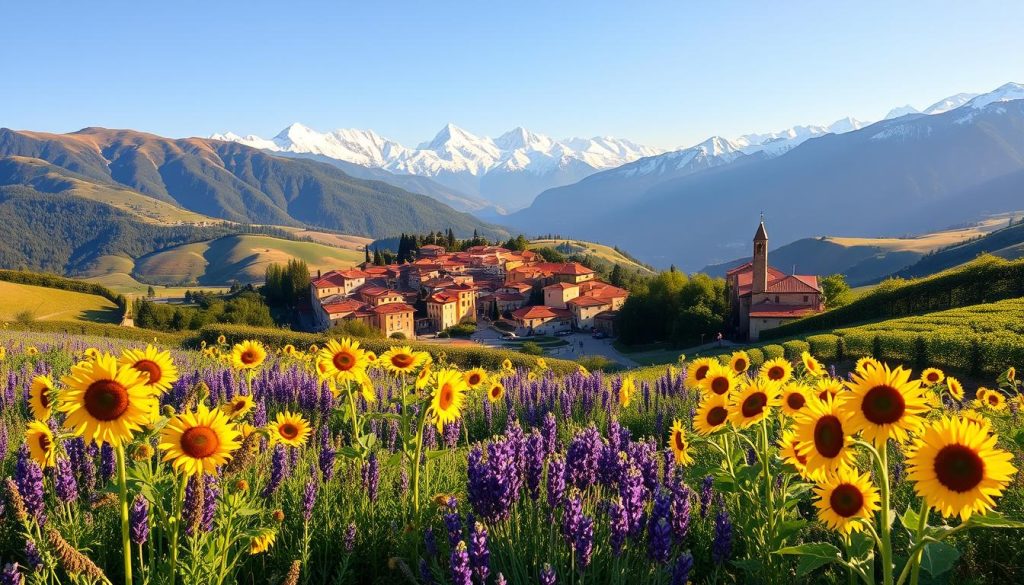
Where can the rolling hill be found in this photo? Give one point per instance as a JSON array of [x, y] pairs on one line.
[[1007, 243], [50, 304], [865, 260], [598, 252], [229, 181]]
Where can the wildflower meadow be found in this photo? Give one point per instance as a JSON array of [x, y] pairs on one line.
[[127, 462]]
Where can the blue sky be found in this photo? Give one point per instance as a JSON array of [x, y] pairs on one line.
[[662, 73]]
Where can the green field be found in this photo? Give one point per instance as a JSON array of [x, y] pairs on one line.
[[233, 258], [49, 304], [598, 251]]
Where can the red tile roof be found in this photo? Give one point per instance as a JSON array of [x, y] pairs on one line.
[[393, 308], [337, 305], [796, 283], [540, 312], [561, 285], [443, 298], [588, 302]]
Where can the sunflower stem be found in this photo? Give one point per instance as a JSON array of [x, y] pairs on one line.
[[416, 464], [352, 408], [126, 546], [766, 468], [922, 523], [883, 474]]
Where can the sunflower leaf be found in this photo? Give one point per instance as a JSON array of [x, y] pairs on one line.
[[938, 557], [812, 555], [993, 520]]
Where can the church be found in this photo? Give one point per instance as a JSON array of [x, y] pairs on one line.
[[762, 297]]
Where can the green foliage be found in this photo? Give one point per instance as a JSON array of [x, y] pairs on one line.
[[462, 329], [793, 349], [531, 348], [985, 280], [674, 308], [244, 308], [773, 351], [837, 292], [285, 286], [595, 363]]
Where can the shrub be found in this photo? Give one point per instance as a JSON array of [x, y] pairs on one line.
[[595, 363], [531, 348], [825, 346], [793, 349], [397, 335], [462, 329], [756, 357], [26, 316], [772, 351]]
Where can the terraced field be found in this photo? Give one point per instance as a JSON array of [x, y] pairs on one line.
[[50, 304]]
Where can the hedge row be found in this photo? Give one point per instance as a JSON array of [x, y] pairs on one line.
[[59, 282], [985, 280], [463, 356], [101, 330]]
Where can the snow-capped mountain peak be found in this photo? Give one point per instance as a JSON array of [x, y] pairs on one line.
[[521, 138], [1004, 93], [901, 111], [951, 103]]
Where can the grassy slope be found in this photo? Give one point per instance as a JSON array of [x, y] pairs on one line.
[[600, 251], [241, 258], [55, 304]]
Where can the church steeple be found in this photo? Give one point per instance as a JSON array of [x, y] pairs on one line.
[[760, 261]]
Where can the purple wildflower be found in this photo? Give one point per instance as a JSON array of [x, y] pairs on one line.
[[29, 478], [556, 481], [680, 510], [634, 498], [582, 457], [430, 542], [534, 464], [550, 432], [327, 454], [479, 552], [309, 498], [659, 532], [706, 494], [425, 574], [584, 542], [348, 542], [721, 547], [493, 485], [278, 465], [33, 558], [500, 580], [572, 516], [10, 575], [108, 462], [4, 440], [618, 525], [138, 518], [210, 493], [547, 575], [451, 434], [453, 522], [681, 570], [64, 481], [461, 573], [371, 476]]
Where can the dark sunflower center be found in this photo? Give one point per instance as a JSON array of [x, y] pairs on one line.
[[678, 441], [445, 399], [741, 365], [720, 385], [151, 368], [239, 405], [933, 377], [43, 398], [474, 379], [776, 373], [106, 400], [199, 442], [288, 431], [401, 360], [993, 399], [846, 500], [883, 405], [344, 361], [700, 373], [717, 416], [796, 401], [496, 391], [796, 452], [249, 357], [45, 442], [959, 468], [828, 436], [753, 405]]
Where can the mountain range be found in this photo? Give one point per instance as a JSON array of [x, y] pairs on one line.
[[911, 173], [478, 174], [222, 180]]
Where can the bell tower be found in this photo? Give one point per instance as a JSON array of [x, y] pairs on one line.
[[760, 262]]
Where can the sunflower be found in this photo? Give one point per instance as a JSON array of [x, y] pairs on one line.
[[158, 365], [40, 397], [449, 393], [794, 398], [829, 387], [1011, 374], [289, 429], [3, 350], [41, 444], [506, 364], [496, 392], [884, 404], [932, 376], [753, 403], [973, 416], [825, 438], [712, 414], [91, 353], [994, 400], [366, 387], [812, 366], [531, 376], [788, 444], [401, 360], [371, 358], [957, 468], [956, 389], [342, 361], [846, 500], [777, 370], [248, 355], [423, 378], [542, 363], [866, 363], [199, 442], [288, 349], [739, 361], [697, 370], [475, 378], [31, 350], [238, 406], [221, 340], [719, 379], [262, 542], [680, 446], [626, 391], [104, 402]]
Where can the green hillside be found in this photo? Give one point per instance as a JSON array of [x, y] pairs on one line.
[[1006, 243], [235, 258], [22, 301], [599, 253]]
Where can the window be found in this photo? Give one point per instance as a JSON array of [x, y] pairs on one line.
[[807, 298], [776, 298]]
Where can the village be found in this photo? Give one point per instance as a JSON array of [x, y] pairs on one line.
[[440, 290]]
